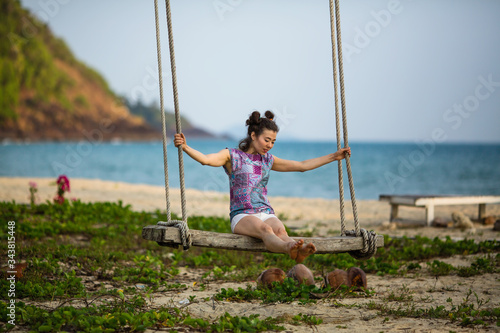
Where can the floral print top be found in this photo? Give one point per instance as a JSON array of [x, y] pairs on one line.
[[248, 182]]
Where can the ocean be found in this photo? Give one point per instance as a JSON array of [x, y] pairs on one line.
[[377, 168]]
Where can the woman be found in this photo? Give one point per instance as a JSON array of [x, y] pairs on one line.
[[248, 169]]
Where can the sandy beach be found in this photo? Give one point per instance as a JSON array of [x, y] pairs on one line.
[[319, 216], [299, 213]]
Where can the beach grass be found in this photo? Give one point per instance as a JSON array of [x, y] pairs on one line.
[[85, 267]]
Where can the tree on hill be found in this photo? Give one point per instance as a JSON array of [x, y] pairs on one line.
[[151, 113]]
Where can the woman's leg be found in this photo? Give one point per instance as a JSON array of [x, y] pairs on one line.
[[278, 228], [254, 227], [275, 238], [280, 231]]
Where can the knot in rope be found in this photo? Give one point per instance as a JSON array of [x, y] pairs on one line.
[[369, 244], [183, 229]]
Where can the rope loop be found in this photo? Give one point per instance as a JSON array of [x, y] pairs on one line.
[[183, 229], [369, 244]]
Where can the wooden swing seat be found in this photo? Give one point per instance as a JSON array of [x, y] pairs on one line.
[[170, 236]]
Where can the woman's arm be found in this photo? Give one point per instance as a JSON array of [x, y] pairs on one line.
[[288, 165], [221, 158]]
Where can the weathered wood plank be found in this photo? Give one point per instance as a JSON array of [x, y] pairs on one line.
[[424, 200], [170, 235], [430, 201]]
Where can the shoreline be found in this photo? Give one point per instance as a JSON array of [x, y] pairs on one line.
[[312, 215], [152, 197]]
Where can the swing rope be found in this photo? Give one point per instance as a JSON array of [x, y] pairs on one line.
[[369, 238], [182, 225], [337, 123]]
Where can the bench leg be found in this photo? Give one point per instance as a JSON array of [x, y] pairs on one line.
[[394, 212], [429, 214], [482, 212]]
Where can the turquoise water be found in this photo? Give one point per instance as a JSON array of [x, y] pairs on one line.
[[378, 168]]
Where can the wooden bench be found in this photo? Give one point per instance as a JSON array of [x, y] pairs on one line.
[[429, 201]]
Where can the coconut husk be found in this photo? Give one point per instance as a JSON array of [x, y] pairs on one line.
[[336, 278], [301, 274], [271, 275], [356, 278]]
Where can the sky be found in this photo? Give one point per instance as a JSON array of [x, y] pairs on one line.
[[415, 70]]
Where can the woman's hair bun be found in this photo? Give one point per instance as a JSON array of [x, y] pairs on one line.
[[269, 115], [254, 118]]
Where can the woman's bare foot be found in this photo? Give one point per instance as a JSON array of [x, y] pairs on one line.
[[295, 249], [304, 252]]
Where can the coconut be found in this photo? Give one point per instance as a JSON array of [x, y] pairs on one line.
[[271, 275], [336, 278], [356, 278], [301, 274]]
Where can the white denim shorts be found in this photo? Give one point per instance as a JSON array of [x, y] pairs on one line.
[[261, 216]]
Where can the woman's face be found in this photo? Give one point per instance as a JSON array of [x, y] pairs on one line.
[[263, 143]]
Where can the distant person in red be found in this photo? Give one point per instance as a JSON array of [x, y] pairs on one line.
[[248, 169]]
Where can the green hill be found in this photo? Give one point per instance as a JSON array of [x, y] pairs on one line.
[[48, 94]]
